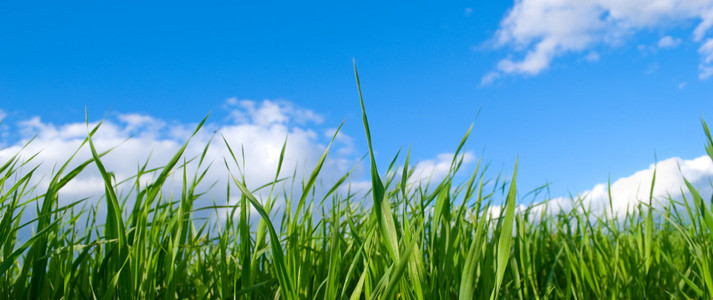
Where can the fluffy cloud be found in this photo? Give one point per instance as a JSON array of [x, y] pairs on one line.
[[592, 56], [434, 170], [258, 129], [705, 68], [668, 42], [270, 112], [629, 192], [543, 29]]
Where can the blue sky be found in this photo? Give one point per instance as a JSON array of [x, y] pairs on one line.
[[580, 92]]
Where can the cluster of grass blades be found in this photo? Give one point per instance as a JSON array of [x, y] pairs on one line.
[[407, 240]]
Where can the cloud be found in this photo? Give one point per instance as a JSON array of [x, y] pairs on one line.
[[434, 170], [257, 129], [538, 31], [682, 85], [592, 56], [489, 78], [706, 65], [270, 112], [4, 129], [628, 192], [668, 42]]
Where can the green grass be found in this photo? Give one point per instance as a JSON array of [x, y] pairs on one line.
[[404, 241]]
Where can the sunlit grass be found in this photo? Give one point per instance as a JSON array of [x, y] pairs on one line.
[[403, 241]]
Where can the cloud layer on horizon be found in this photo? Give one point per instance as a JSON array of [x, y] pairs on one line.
[[629, 192], [256, 128], [259, 130]]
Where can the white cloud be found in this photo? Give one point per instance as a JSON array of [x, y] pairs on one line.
[[668, 42], [628, 192], [141, 124], [706, 65], [257, 128], [704, 71], [592, 56], [270, 112], [260, 128], [4, 129], [435, 170], [682, 85], [540, 30], [426, 173], [346, 141], [489, 78]]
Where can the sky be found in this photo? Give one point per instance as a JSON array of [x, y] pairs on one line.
[[578, 92]]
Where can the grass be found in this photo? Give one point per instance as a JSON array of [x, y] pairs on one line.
[[406, 241]]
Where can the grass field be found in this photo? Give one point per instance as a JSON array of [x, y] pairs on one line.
[[404, 241]]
